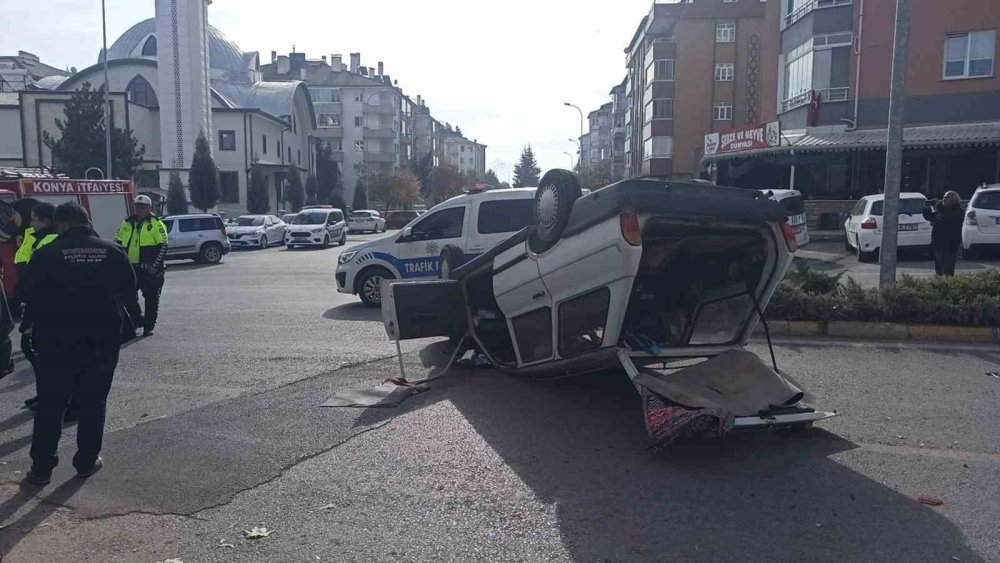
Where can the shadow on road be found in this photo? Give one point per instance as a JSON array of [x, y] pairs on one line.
[[579, 444], [353, 312], [16, 420], [14, 532], [188, 266]]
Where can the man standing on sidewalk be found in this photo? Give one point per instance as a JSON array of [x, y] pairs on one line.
[[74, 287], [144, 238]]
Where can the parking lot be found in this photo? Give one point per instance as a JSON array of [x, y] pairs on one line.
[[214, 428]]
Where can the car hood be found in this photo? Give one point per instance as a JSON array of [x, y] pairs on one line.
[[243, 230], [370, 245]]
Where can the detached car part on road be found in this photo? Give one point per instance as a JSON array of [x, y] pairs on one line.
[[666, 279]]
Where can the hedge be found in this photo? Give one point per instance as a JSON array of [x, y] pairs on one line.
[[971, 299]]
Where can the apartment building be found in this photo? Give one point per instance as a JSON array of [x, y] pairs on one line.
[[835, 63], [468, 156], [25, 71], [694, 68], [596, 144], [360, 112], [619, 107]]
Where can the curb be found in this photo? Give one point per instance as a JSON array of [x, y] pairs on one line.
[[882, 331]]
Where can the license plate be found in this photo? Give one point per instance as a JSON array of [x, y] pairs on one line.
[[912, 227]]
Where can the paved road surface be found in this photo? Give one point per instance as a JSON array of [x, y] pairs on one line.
[[214, 429]]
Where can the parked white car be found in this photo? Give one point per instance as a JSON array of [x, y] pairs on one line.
[[641, 274], [472, 222], [864, 226], [982, 222], [199, 237], [793, 204], [317, 226], [256, 231], [365, 220]]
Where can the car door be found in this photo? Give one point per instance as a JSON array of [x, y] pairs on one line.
[[854, 220], [171, 226], [276, 230], [418, 248], [334, 224], [495, 220], [188, 235]]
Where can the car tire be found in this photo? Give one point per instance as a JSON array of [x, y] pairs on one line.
[[557, 192], [343, 238], [866, 257], [210, 253], [451, 258], [967, 253], [369, 286], [847, 244], [326, 240], [263, 242]]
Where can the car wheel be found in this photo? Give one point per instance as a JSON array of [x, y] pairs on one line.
[[969, 253], [451, 258], [847, 243], [554, 199], [369, 286], [343, 238], [211, 253], [326, 240], [263, 242], [866, 256]]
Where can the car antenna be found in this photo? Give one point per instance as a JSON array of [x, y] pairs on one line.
[[767, 331]]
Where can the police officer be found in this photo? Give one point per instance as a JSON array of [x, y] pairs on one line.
[[144, 237], [41, 232], [74, 287]]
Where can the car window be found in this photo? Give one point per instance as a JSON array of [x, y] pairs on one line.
[[310, 218], [504, 216], [196, 224], [168, 224], [361, 214], [336, 217], [987, 200], [249, 221], [907, 205], [446, 223], [793, 205], [859, 207]]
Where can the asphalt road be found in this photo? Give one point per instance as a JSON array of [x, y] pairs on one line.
[[215, 428]]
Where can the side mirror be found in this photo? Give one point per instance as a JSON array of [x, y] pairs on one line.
[[406, 235]]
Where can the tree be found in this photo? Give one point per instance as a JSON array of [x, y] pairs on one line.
[[327, 174], [595, 176], [311, 187], [81, 143], [258, 201], [491, 179], [448, 182], [526, 171], [203, 181], [399, 189], [337, 200], [360, 195], [295, 194], [177, 203]]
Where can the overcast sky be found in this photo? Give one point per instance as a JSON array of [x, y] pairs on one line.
[[499, 70]]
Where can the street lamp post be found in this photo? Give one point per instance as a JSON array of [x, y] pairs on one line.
[[570, 158], [107, 96], [580, 111]]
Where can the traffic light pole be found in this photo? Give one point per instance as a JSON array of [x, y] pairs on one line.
[[894, 146]]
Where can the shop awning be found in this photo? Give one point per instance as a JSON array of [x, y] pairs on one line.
[[922, 137]]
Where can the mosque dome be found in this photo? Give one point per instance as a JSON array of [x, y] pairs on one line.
[[139, 41]]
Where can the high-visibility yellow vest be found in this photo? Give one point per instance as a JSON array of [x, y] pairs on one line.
[[134, 237], [30, 244]]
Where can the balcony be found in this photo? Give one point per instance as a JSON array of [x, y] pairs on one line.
[[379, 133], [825, 95], [811, 5], [338, 156], [385, 157], [381, 108], [331, 132]]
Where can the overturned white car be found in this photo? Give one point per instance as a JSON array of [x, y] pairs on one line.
[[665, 279]]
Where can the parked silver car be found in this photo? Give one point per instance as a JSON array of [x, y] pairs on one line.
[[256, 231], [200, 237]]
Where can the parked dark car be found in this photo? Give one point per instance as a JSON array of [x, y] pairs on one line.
[[400, 219]]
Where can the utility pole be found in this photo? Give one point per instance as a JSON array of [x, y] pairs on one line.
[[107, 97], [894, 145]]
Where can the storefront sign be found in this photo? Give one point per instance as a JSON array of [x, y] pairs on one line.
[[758, 137], [58, 186]]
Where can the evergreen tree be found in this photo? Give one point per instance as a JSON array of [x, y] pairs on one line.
[[311, 189], [337, 200], [526, 171], [176, 196], [203, 181], [258, 202], [295, 194], [360, 195], [327, 174], [81, 139], [491, 179]]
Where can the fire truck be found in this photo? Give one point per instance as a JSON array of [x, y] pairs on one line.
[[107, 202]]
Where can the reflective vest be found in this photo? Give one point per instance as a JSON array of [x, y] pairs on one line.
[[30, 244], [142, 239]]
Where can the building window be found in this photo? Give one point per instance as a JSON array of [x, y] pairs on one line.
[[842, 39], [227, 140], [969, 55], [662, 69], [730, 1], [149, 48], [229, 187], [357, 96], [279, 149], [326, 95], [359, 121], [328, 120], [298, 154], [359, 146], [725, 33], [264, 143], [798, 75], [141, 92], [337, 145], [661, 108], [289, 155], [722, 111], [724, 72], [658, 147]]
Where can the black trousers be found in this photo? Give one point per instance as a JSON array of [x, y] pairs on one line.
[[944, 262], [150, 284], [82, 369]]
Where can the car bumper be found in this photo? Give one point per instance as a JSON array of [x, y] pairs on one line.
[[362, 227], [244, 242], [872, 240], [972, 236], [345, 282], [312, 240]]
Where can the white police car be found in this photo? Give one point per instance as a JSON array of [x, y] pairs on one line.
[[474, 222], [317, 226]]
